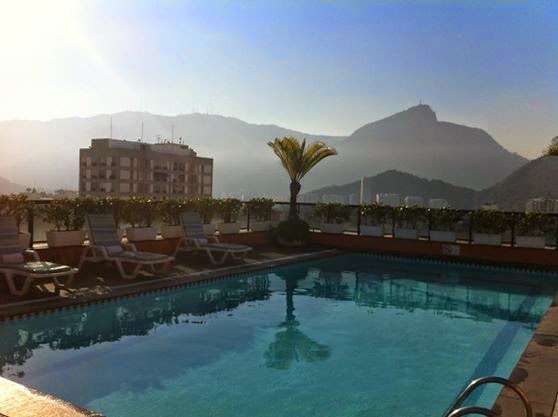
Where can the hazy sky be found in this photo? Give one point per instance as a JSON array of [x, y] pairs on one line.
[[317, 66]]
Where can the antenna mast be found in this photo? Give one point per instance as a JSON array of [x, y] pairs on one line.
[[111, 127]]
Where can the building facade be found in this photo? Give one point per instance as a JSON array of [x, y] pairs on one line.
[[120, 168], [542, 205]]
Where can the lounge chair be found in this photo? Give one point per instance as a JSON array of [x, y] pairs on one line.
[[196, 240], [106, 246], [13, 264]]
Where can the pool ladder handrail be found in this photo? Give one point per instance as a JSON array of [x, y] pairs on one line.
[[456, 409]]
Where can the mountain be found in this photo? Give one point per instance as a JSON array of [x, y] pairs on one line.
[[535, 179], [45, 153], [415, 141], [8, 187], [404, 184]]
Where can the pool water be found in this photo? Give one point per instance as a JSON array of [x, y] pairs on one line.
[[350, 335]]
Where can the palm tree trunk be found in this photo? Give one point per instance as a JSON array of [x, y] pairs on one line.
[[295, 189]]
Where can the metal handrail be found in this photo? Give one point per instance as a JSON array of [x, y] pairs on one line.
[[473, 410], [456, 406]]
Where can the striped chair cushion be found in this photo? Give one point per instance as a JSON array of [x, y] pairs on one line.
[[192, 224], [102, 230], [9, 240]]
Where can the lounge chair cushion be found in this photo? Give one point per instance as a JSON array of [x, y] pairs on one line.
[[114, 249], [232, 247], [201, 241], [141, 256], [38, 267], [12, 258]]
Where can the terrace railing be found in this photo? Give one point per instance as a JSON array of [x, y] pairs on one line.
[[464, 228]]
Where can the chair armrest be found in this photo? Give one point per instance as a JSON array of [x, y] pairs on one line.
[[34, 254]]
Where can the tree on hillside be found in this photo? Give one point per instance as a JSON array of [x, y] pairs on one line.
[[552, 148]]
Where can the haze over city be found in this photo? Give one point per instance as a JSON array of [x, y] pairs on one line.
[[321, 67]]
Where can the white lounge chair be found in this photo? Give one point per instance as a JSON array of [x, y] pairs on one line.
[[196, 240], [13, 264], [106, 246]]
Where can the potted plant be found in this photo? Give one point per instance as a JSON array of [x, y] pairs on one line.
[[407, 219], [531, 229], [442, 224], [488, 226], [170, 211], [17, 206], [332, 216], [298, 160], [207, 208], [373, 218], [67, 217], [260, 214], [138, 213], [229, 209]]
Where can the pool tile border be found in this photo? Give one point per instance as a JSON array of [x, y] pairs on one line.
[[24, 309]]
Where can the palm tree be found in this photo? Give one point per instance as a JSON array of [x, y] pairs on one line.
[[298, 160]]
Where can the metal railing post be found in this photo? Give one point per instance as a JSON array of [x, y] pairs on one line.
[[471, 217], [359, 216], [31, 222], [429, 221], [247, 217]]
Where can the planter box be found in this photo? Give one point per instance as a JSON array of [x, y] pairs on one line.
[[209, 229], [530, 242], [24, 240], [487, 239], [137, 234], [260, 226], [228, 228], [377, 231], [401, 233], [57, 239], [171, 232], [442, 236], [331, 228]]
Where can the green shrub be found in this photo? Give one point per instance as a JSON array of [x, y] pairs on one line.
[[260, 209], [65, 214], [137, 211], [375, 214], [293, 231], [445, 219], [170, 210], [207, 207], [534, 224], [332, 212], [490, 221], [16, 206], [409, 217], [229, 209]]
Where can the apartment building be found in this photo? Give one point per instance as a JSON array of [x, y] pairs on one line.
[[120, 168], [542, 205]]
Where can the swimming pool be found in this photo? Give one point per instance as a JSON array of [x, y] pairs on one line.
[[351, 335]]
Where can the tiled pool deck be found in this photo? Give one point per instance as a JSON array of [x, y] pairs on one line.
[[536, 372]]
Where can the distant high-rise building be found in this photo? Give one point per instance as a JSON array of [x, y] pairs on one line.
[[412, 200], [542, 205], [388, 199], [120, 168], [437, 203]]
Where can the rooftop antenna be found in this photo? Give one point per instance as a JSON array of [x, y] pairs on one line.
[[111, 127], [172, 134], [142, 130]]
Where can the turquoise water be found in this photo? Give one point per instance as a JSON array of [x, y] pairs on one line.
[[345, 336]]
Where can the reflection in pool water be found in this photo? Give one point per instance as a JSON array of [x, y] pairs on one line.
[[343, 336]]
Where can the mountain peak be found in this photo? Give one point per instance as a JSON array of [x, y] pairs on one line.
[[420, 112]]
